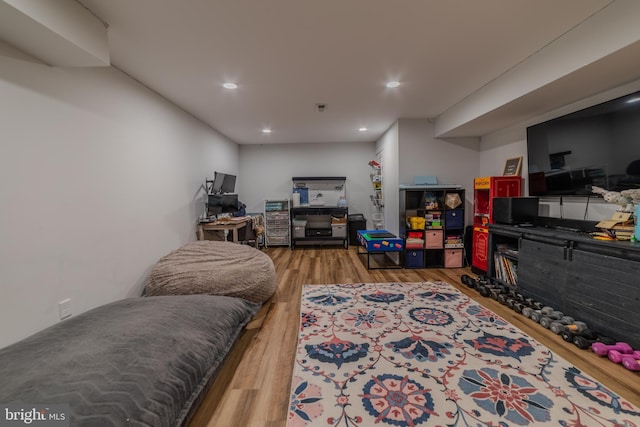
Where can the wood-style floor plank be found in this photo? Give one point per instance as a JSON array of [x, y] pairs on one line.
[[252, 388]]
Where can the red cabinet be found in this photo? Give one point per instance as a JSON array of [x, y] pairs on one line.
[[485, 189]]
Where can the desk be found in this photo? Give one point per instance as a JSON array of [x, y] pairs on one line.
[[232, 225]]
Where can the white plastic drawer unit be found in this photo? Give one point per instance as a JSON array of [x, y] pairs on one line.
[[277, 215], [278, 232], [277, 240], [276, 205], [280, 222]]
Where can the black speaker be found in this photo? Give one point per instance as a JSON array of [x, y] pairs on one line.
[[515, 210], [468, 245]]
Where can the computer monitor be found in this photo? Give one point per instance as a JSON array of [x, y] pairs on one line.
[[228, 184], [216, 184], [222, 183], [222, 203], [229, 203]]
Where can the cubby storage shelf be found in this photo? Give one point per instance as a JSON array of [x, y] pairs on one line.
[[432, 224]]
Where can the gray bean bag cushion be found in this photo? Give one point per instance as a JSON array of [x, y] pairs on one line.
[[215, 268], [134, 362]]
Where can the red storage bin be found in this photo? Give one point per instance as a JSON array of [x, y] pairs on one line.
[[453, 258], [433, 239], [480, 255]]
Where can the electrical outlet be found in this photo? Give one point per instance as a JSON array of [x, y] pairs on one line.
[[65, 308]]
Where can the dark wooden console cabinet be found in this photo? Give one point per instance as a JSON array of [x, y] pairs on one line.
[[594, 281]]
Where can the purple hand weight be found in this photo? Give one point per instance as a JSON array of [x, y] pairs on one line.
[[616, 357], [631, 364], [602, 349]]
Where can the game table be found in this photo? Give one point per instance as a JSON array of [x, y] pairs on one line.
[[381, 249]]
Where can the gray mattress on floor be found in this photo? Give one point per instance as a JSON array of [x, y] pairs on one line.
[[140, 361]]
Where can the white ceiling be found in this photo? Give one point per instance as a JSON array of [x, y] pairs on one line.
[[288, 55]]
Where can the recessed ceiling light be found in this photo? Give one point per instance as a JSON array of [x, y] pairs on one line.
[[363, 129], [266, 130], [230, 85], [392, 84]]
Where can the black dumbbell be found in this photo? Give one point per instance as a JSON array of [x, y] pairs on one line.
[[528, 306], [465, 279], [470, 282], [527, 310], [569, 336], [558, 326], [546, 321], [519, 306], [484, 281], [533, 303], [524, 307], [584, 341], [497, 291], [485, 288], [516, 296], [536, 315]]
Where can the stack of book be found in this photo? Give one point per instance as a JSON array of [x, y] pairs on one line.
[[453, 241], [415, 240], [505, 264], [619, 227], [506, 269]]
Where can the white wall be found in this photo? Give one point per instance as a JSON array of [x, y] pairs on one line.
[[452, 162], [266, 171], [604, 34], [421, 153], [99, 177], [494, 155]]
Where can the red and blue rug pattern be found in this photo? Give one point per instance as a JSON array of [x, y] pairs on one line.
[[410, 354]]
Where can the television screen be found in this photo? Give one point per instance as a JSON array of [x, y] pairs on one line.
[[591, 147]]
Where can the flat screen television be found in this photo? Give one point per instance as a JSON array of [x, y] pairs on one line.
[[591, 147]]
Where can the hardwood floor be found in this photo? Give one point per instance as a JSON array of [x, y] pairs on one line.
[[252, 389]]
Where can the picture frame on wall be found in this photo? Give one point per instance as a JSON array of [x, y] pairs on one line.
[[513, 167]]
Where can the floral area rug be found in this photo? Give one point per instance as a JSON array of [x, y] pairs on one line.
[[409, 354]]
